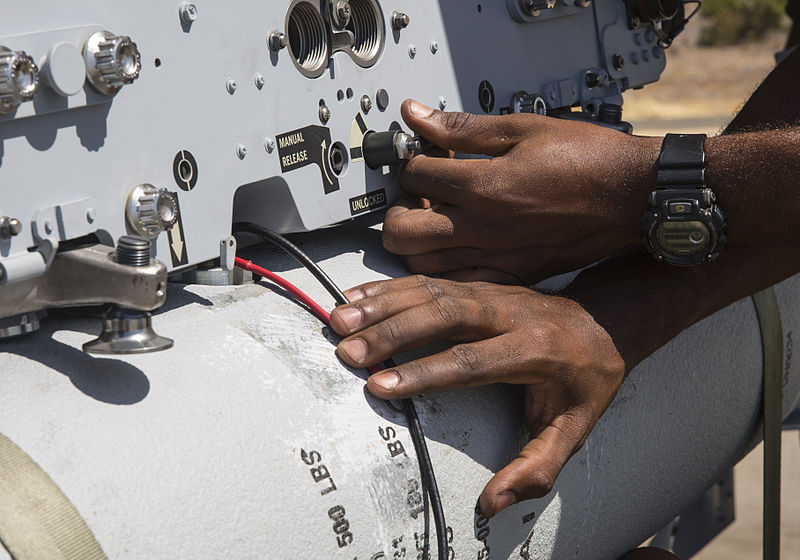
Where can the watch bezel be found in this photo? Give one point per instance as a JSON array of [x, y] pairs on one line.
[[704, 210]]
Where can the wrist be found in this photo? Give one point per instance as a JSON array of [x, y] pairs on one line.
[[636, 163]]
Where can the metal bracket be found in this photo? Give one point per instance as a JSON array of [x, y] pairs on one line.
[[86, 276]]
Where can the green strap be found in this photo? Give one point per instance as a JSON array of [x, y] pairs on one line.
[[37, 521], [769, 319]]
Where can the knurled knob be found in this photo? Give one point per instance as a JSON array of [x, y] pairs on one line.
[[19, 79], [151, 211], [523, 102], [112, 61]]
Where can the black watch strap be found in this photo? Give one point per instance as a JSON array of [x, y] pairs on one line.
[[682, 162]]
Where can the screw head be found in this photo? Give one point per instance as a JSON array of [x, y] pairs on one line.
[[48, 227], [442, 103], [276, 40], [259, 80], [188, 12], [412, 51], [241, 151], [434, 47], [618, 61], [366, 103], [269, 144], [324, 114], [593, 79], [91, 215], [400, 20], [230, 85]]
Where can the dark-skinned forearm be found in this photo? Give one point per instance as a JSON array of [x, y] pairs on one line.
[[643, 304]]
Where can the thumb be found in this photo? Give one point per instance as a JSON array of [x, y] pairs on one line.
[[491, 135], [533, 473]]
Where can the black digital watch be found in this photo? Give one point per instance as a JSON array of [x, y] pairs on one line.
[[683, 224]]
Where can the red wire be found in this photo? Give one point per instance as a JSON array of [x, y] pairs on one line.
[[288, 286], [323, 315]]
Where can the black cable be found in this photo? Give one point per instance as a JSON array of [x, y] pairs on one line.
[[296, 252], [414, 425]]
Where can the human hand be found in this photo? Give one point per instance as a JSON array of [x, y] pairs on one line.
[[567, 363], [557, 195]]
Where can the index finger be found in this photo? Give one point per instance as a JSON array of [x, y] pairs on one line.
[[492, 360]]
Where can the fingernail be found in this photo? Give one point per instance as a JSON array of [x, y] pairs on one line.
[[354, 295], [356, 349], [388, 380], [503, 500], [350, 316], [420, 110]]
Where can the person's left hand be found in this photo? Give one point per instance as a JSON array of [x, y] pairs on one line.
[[568, 363]]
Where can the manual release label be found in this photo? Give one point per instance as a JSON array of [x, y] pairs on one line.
[[367, 202], [308, 146]]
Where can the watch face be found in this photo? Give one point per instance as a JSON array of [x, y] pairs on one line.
[[683, 238]]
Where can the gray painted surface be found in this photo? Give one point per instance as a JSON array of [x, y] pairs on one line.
[[94, 148]]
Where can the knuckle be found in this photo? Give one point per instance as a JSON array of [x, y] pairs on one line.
[[388, 330], [540, 482], [458, 122], [447, 309], [396, 234], [465, 358], [434, 287]]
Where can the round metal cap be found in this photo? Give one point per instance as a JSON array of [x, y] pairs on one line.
[[151, 211], [111, 61], [19, 79]]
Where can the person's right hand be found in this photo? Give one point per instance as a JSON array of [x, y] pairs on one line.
[[557, 195]]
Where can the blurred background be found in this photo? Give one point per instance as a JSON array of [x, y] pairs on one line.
[[712, 68]]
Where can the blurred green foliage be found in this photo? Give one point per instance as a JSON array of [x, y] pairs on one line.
[[736, 21]]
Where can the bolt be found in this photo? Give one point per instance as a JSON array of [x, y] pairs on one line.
[[442, 103], [9, 227], [230, 85], [269, 144], [434, 47], [593, 79], [619, 62], [259, 80], [400, 20], [241, 151], [188, 12], [91, 215], [132, 250], [342, 13], [366, 103], [324, 114], [276, 40], [412, 51]]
